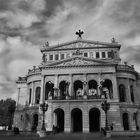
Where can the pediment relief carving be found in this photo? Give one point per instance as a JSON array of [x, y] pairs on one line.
[[78, 61], [79, 45]]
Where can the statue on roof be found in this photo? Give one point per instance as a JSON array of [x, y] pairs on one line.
[[113, 40], [79, 33], [46, 44]]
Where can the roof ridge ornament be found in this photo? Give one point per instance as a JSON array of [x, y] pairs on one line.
[[79, 34], [113, 40]]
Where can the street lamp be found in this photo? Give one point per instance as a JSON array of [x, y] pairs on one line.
[[105, 106], [44, 108]]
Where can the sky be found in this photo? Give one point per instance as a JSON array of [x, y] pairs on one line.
[[25, 25]]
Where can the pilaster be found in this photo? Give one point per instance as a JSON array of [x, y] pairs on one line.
[[32, 100], [49, 118], [67, 121], [42, 95], [85, 119]]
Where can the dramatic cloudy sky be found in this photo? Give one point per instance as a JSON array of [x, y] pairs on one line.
[[26, 24]]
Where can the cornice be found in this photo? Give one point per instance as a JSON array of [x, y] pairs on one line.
[[76, 66], [105, 45], [126, 68]]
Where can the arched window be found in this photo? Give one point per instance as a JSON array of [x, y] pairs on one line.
[[37, 95], [78, 88], [62, 88], [49, 90], [108, 88], [132, 94], [30, 94], [125, 120], [92, 86], [122, 94]]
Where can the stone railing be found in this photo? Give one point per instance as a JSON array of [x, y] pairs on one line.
[[126, 68], [75, 97], [34, 71], [21, 79]]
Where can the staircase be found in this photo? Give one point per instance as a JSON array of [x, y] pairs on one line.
[[75, 136]]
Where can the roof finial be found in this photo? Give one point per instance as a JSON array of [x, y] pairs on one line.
[[113, 40], [79, 33]]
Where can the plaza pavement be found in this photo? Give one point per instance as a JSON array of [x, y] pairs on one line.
[[66, 137]]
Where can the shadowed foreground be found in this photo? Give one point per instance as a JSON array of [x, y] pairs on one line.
[[66, 137]]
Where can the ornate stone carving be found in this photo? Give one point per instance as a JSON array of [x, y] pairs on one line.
[[78, 61], [80, 45]]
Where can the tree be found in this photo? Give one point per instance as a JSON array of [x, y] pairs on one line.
[[7, 109]]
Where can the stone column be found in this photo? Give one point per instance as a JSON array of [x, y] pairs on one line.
[[32, 99], [85, 86], [115, 88], [135, 91], [85, 89], [42, 95], [67, 89], [99, 79], [18, 96], [56, 86], [128, 96], [71, 85]]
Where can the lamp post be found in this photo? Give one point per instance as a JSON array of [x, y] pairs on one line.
[[105, 106], [44, 108]]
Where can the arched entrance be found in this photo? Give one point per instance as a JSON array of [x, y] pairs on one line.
[[125, 119], [59, 120], [62, 88], [78, 88], [76, 120], [35, 122], [94, 120]]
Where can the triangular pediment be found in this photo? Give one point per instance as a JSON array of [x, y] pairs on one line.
[[77, 61], [79, 44]]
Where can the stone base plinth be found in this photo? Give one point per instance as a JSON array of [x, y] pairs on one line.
[[42, 133], [108, 134]]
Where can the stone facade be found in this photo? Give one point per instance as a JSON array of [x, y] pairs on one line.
[[69, 80]]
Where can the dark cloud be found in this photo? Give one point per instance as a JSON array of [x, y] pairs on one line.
[[51, 6], [5, 5], [26, 24]]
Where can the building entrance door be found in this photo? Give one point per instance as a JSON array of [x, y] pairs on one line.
[[94, 120], [76, 117], [59, 120], [125, 121], [35, 122]]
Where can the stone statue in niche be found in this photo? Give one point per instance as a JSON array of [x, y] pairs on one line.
[[79, 92], [104, 90], [92, 92]]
